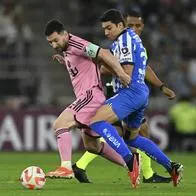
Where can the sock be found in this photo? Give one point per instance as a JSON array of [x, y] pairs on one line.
[[64, 144], [66, 164], [146, 165], [111, 136], [110, 154], [86, 158], [151, 149]]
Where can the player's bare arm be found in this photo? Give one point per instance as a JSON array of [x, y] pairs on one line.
[[105, 71], [155, 81], [127, 69], [111, 63], [105, 56], [59, 58]]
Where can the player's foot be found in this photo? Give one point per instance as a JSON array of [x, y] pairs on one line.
[[135, 174], [157, 179], [176, 173], [61, 172], [80, 174]]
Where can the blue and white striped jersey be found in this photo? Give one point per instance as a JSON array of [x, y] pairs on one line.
[[128, 48]]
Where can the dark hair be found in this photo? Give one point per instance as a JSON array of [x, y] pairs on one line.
[[53, 26], [112, 15], [134, 13]]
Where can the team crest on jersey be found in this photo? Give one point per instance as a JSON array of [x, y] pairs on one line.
[[125, 50]]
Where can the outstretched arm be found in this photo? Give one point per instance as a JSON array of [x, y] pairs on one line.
[[155, 81], [110, 61]]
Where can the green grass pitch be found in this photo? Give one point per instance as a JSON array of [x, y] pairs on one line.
[[108, 179]]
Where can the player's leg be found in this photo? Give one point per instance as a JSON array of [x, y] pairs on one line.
[[62, 126], [151, 149], [101, 126], [85, 160], [80, 166], [88, 157], [94, 145], [149, 176], [99, 147]]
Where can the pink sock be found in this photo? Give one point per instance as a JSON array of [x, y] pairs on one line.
[[64, 143], [110, 154]]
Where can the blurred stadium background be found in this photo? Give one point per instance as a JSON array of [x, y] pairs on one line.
[[34, 89]]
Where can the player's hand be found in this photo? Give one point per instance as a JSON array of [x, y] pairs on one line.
[[168, 92], [59, 58], [125, 79]]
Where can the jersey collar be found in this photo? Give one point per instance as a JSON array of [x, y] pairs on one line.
[[123, 31]]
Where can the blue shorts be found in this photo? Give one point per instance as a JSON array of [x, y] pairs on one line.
[[129, 105]]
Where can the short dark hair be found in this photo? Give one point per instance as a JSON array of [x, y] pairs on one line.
[[53, 26], [112, 15], [134, 13]]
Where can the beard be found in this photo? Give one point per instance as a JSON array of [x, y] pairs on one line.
[[62, 48], [59, 49]]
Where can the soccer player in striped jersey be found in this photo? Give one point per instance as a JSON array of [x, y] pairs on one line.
[[134, 20], [129, 103]]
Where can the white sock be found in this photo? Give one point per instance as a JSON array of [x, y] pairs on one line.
[[66, 164]]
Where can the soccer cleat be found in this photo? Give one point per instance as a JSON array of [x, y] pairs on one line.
[[157, 179], [135, 174], [61, 172], [176, 173], [80, 174]]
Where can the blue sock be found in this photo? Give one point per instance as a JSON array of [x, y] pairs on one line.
[[151, 149], [111, 136]]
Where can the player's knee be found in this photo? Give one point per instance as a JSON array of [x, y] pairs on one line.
[[105, 113], [55, 124], [60, 124], [134, 133], [92, 148], [95, 119], [144, 130]]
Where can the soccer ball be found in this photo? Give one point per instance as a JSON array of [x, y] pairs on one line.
[[33, 177]]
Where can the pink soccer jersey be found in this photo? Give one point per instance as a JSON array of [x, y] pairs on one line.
[[85, 78], [84, 73]]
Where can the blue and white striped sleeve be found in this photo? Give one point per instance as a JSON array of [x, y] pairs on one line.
[[125, 49]]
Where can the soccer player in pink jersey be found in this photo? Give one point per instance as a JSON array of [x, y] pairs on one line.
[[77, 54]]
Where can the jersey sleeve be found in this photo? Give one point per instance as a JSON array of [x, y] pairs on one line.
[[126, 49], [83, 47]]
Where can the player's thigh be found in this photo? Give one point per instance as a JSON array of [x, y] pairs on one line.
[[105, 113], [130, 132], [144, 129], [121, 104], [115, 109], [65, 120], [91, 143], [118, 125]]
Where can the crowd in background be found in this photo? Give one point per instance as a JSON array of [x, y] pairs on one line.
[[169, 36], [15, 46]]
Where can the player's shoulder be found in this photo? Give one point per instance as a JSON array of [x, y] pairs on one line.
[[76, 41], [134, 36], [126, 35]]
